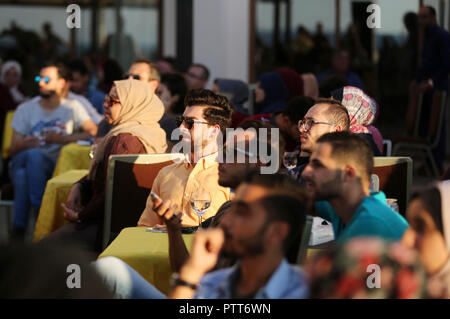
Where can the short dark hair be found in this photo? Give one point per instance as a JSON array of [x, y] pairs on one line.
[[280, 184], [330, 84], [432, 10], [205, 75], [297, 108], [287, 209], [218, 110], [284, 185], [78, 66], [63, 71], [336, 113], [154, 73], [176, 85], [350, 147]]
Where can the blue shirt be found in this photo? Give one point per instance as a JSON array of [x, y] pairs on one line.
[[372, 218], [287, 282], [96, 98]]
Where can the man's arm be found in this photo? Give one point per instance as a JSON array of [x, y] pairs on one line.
[[89, 131], [204, 254], [178, 253], [21, 142], [148, 217]]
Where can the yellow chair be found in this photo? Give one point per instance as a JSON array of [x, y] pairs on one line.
[[7, 134], [6, 206]]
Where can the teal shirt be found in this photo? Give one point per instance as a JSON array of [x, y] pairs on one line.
[[372, 218]]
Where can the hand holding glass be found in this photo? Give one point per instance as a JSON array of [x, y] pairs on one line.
[[200, 201]]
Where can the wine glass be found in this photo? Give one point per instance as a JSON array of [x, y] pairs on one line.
[[200, 201], [290, 160]]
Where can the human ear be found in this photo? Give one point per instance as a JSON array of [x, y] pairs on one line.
[[349, 171], [277, 233]]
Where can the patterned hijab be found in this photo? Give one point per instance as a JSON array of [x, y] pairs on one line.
[[349, 271], [139, 116], [361, 108]]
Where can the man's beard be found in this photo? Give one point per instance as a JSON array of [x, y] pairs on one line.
[[251, 247], [330, 189], [47, 94]]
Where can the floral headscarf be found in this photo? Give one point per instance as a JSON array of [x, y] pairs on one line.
[[347, 271]]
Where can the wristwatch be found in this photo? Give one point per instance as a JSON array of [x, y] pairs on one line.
[[177, 281]]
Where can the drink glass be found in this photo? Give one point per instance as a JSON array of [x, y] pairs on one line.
[[200, 201]]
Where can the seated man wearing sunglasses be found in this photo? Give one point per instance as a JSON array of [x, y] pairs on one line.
[[232, 172], [40, 128], [204, 121]]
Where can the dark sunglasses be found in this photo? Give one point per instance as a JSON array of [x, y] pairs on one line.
[[189, 122], [38, 79], [134, 76], [110, 101]]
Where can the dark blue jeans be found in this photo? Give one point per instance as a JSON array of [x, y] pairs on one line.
[[29, 171]]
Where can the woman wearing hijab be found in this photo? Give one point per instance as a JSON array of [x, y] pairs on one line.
[[271, 94], [367, 268], [11, 94], [429, 233], [133, 111], [363, 111]]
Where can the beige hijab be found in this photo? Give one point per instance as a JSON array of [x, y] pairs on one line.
[[139, 116]]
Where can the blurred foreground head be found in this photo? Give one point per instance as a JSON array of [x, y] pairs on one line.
[[48, 272]]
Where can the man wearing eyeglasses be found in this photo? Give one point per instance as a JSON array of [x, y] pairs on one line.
[[325, 116], [204, 121], [197, 76], [40, 128], [143, 70]]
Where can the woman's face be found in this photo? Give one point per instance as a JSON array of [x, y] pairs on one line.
[[164, 95], [423, 236], [11, 77], [260, 95], [112, 106]]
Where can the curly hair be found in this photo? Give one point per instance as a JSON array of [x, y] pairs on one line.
[[218, 109]]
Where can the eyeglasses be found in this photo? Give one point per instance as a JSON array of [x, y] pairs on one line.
[[134, 76], [38, 79], [189, 122], [307, 124], [110, 101]]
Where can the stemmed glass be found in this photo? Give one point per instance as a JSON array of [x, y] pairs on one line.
[[290, 160], [200, 201]]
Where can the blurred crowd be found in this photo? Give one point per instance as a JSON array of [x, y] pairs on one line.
[[326, 114]]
